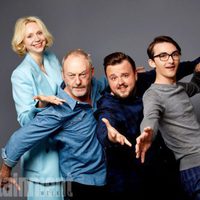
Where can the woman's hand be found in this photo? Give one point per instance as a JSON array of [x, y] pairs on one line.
[[44, 100]]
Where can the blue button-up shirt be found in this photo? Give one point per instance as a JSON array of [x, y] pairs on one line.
[[72, 125]]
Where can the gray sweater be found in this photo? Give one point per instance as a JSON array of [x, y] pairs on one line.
[[169, 109]]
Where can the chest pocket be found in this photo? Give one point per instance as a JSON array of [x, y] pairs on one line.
[[77, 118]]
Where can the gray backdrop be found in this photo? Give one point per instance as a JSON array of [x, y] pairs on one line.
[[99, 27]]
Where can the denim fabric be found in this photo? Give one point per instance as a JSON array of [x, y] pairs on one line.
[[191, 182], [72, 125]]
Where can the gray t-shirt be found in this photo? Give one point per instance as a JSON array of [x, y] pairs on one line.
[[169, 109]]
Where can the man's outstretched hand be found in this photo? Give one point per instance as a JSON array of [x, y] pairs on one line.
[[143, 143], [114, 136]]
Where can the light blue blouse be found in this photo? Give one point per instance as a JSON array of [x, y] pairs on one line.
[[27, 81]]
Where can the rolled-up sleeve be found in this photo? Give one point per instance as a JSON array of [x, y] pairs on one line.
[[22, 140], [7, 161]]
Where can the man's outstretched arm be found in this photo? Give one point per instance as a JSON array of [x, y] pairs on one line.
[[143, 143], [23, 140]]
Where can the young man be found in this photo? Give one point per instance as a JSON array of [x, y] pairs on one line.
[[167, 107], [122, 107], [72, 125]]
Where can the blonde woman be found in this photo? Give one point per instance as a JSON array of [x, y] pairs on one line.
[[34, 85]]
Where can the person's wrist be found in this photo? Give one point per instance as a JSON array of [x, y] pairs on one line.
[[5, 171]]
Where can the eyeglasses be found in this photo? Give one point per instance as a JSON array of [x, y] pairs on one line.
[[165, 56]]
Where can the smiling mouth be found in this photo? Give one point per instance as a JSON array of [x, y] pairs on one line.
[[170, 67], [38, 45], [122, 87]]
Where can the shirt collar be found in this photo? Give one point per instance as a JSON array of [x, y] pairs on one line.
[[70, 101]]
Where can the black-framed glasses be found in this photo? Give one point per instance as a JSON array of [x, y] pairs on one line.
[[165, 56]]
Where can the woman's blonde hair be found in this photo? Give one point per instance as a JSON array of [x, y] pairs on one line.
[[19, 34]]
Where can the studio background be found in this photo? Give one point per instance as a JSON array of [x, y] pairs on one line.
[[100, 28]]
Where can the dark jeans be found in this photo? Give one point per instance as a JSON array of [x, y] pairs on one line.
[[191, 182], [77, 191]]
